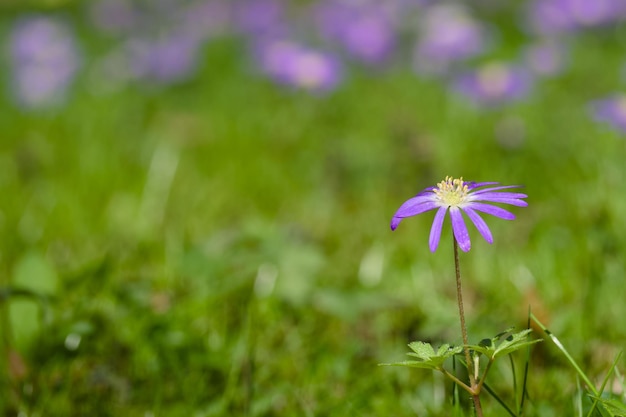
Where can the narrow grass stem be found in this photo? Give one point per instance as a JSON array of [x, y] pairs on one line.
[[475, 389], [567, 355]]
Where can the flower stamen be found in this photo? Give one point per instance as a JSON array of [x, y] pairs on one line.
[[451, 192]]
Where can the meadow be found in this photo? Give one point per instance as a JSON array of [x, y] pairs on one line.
[[212, 239]]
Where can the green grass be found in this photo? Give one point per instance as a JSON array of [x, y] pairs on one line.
[[222, 247]]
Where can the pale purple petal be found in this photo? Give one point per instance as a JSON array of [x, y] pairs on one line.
[[471, 184], [487, 195], [512, 201], [416, 207], [479, 223], [493, 210], [435, 230], [426, 191], [460, 229], [502, 187], [395, 221]]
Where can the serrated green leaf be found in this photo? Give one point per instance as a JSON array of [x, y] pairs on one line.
[[511, 343], [428, 359], [448, 351], [514, 342], [422, 350], [499, 335]]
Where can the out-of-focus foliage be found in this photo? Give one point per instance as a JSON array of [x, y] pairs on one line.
[[195, 216]]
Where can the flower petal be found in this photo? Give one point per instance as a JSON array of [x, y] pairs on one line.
[[471, 184], [493, 210], [504, 200], [487, 195], [415, 206], [479, 223], [435, 230], [460, 229], [395, 221], [502, 187], [426, 191]]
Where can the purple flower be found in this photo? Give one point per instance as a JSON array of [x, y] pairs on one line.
[[168, 59], [44, 58], [546, 57], [459, 196], [114, 16], [448, 34], [258, 17], [206, 19], [495, 83], [611, 110], [365, 31], [298, 66], [550, 17]]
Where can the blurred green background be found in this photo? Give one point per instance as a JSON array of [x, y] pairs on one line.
[[221, 245]]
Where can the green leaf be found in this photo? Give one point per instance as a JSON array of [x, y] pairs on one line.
[[427, 357], [604, 382], [613, 406], [34, 280], [495, 347]]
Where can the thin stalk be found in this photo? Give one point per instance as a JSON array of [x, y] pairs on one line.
[[569, 357], [456, 380], [526, 367], [484, 376], [514, 378], [470, 365]]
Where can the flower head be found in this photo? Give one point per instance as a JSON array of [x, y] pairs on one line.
[[44, 58], [292, 64], [611, 110], [448, 34], [495, 83], [458, 195]]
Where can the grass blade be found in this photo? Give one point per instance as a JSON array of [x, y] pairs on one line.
[[499, 400], [565, 353], [526, 368], [604, 382]]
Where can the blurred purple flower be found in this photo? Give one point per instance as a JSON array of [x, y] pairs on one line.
[[546, 58], [198, 19], [204, 19], [549, 17], [113, 16], [259, 17], [611, 110], [44, 60], [456, 196], [168, 59], [495, 83], [292, 64], [365, 31], [448, 34]]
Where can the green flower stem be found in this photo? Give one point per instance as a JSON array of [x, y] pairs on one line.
[[456, 380], [474, 387], [484, 375]]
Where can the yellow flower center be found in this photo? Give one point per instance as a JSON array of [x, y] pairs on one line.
[[451, 192]]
